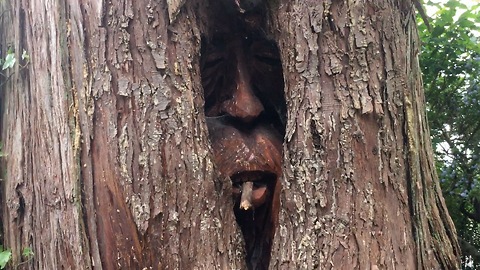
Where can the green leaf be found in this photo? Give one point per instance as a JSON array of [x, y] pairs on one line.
[[9, 61], [25, 55], [5, 258], [27, 252], [437, 31]]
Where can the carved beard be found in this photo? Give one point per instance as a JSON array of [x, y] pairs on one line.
[[251, 154]]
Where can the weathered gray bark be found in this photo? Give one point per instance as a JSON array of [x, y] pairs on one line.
[[109, 167], [360, 190], [108, 163]]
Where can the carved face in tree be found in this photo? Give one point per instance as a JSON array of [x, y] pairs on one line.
[[245, 110]]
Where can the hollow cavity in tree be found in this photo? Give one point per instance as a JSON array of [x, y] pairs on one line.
[[245, 111]]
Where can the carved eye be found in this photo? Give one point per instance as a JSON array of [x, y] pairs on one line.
[[213, 60], [269, 59], [214, 54], [265, 52]]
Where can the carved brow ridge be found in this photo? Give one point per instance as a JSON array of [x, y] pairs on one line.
[[220, 39]]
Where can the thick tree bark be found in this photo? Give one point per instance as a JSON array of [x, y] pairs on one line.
[[108, 163], [360, 190], [108, 160]]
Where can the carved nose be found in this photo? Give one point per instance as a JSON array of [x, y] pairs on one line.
[[244, 104]]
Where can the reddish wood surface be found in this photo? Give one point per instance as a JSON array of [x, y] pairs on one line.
[[243, 84]]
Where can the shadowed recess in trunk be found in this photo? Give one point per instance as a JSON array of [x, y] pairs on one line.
[[245, 110]]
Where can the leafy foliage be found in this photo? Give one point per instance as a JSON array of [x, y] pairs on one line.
[[9, 61], [27, 253], [5, 255], [450, 61]]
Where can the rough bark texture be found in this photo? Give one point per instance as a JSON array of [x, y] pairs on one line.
[[360, 190], [108, 161]]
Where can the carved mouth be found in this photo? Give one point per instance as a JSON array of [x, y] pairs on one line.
[[253, 187]]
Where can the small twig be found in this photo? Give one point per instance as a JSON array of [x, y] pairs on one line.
[[24, 262], [246, 199], [424, 16], [7, 78]]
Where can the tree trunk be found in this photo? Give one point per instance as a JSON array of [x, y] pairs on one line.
[[109, 164], [360, 188]]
